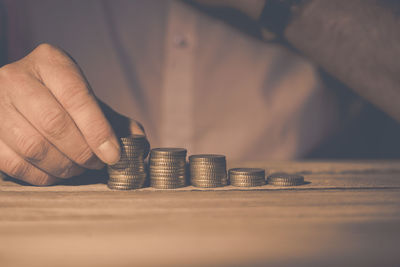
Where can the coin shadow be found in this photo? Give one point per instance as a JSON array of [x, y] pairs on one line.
[[87, 178]]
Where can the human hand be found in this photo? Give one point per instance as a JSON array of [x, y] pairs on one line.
[[51, 126]]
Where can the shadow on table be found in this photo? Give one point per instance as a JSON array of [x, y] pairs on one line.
[[87, 178]]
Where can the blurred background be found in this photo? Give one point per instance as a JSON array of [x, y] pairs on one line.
[[202, 77]]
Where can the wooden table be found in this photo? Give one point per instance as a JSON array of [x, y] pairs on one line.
[[348, 215]]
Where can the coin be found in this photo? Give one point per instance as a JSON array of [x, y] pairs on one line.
[[130, 171], [167, 167], [168, 152], [285, 179], [207, 170], [207, 158], [207, 185], [247, 177]]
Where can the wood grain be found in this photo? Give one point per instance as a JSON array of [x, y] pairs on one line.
[[348, 215]]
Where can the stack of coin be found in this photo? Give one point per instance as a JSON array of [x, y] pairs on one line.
[[130, 171], [208, 170], [285, 179], [247, 177], [167, 168]]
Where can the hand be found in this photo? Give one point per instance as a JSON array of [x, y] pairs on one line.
[[51, 125]]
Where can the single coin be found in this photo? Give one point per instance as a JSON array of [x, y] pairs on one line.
[[167, 158], [167, 171], [200, 170], [179, 183], [127, 182], [247, 171], [123, 186], [168, 151], [153, 182], [166, 186], [162, 173], [131, 185], [129, 176], [247, 184], [207, 157], [180, 177], [207, 185], [285, 179], [127, 172], [236, 181], [208, 176], [180, 163], [181, 174], [168, 178], [205, 164], [120, 187]]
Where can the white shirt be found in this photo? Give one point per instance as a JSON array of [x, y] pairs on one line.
[[190, 79]]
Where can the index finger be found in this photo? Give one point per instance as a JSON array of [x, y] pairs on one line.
[[68, 85]]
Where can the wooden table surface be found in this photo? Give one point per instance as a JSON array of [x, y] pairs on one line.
[[348, 214]]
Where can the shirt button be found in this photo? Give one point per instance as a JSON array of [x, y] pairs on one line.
[[180, 41]]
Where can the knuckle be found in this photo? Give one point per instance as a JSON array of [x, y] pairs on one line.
[[84, 157], [75, 96], [50, 54], [66, 171], [15, 167], [55, 123], [99, 131], [46, 49], [8, 70], [32, 148]]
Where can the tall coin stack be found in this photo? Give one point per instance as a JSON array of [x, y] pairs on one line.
[[208, 170], [130, 171], [167, 168], [247, 177]]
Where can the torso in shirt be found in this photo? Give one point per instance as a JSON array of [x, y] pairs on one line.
[[192, 80]]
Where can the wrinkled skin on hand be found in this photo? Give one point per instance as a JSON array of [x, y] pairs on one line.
[[51, 125]]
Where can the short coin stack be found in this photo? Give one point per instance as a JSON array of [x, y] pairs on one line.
[[130, 171], [247, 177], [167, 168], [285, 179], [208, 170]]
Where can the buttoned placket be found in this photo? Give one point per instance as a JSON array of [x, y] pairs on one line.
[[178, 87]]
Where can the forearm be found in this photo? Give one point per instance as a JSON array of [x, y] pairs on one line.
[[357, 42]]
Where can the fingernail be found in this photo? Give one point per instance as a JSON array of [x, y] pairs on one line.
[[109, 152]]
